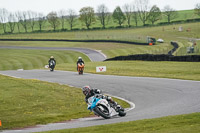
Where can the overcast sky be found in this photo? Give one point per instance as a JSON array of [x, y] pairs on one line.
[[46, 6]]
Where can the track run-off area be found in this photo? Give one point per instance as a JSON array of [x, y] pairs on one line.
[[152, 97]]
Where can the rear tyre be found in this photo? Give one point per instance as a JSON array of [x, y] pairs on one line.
[[81, 71], [51, 69], [122, 113]]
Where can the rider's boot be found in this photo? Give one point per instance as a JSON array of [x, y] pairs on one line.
[[119, 108], [114, 104]]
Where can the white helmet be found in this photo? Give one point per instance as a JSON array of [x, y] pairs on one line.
[[79, 58]]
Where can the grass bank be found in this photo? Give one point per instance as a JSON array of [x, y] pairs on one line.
[[188, 123], [13, 59], [32, 102], [167, 33]]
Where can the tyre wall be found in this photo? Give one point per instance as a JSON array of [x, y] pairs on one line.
[[162, 57]]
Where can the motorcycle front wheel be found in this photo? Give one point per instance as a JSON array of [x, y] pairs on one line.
[[102, 111]]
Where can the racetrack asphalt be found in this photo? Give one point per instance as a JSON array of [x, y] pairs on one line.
[[153, 97]]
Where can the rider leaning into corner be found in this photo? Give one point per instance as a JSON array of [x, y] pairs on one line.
[[52, 58], [80, 60], [88, 92]]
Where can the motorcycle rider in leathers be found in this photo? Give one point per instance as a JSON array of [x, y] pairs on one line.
[[88, 92], [80, 60], [52, 59]]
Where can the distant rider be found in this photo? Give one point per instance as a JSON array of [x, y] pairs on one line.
[[80, 60], [88, 92], [52, 59]]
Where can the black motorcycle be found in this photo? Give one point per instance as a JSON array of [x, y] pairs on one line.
[[52, 64]]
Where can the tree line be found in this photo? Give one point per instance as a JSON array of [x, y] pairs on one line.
[[135, 12]]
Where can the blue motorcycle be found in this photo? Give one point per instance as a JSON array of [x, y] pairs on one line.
[[102, 108]]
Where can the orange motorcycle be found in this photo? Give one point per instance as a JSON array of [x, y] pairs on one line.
[[80, 68]]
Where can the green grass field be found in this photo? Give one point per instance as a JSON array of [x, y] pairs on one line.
[[172, 124], [30, 102], [165, 32]]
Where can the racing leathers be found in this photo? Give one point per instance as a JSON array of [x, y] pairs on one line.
[[79, 61], [52, 59]]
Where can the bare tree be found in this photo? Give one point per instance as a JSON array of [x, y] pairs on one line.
[[170, 13], [103, 15], [41, 21], [128, 13], [23, 19], [11, 21], [197, 9], [71, 18], [155, 14], [87, 16], [135, 15], [143, 10], [62, 15], [119, 16], [3, 18], [53, 20], [17, 14], [32, 18]]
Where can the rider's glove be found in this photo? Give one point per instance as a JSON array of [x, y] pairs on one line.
[[109, 98], [98, 91]]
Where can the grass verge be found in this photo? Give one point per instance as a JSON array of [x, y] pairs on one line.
[[188, 123], [160, 69]]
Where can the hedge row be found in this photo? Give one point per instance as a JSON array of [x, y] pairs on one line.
[[161, 57], [180, 21], [68, 40]]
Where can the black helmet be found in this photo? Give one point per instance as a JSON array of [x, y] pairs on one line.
[[86, 90]]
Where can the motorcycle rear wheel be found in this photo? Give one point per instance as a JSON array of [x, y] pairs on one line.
[[80, 72], [122, 113]]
